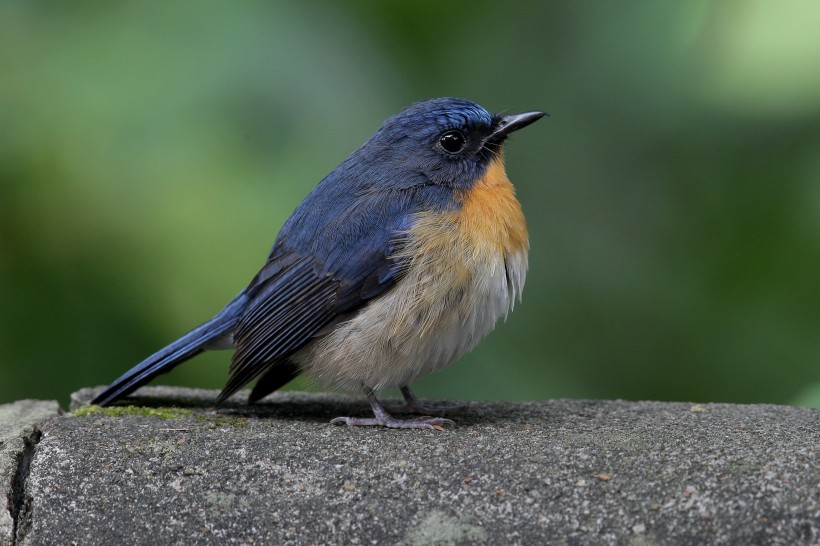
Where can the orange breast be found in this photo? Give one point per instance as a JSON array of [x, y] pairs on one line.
[[490, 214], [482, 234]]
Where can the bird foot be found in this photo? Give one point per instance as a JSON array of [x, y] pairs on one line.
[[382, 418], [427, 422]]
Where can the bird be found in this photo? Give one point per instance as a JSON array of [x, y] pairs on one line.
[[394, 266]]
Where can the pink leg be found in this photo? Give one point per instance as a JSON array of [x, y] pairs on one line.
[[383, 419], [414, 405]]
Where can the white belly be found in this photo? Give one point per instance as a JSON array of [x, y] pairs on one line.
[[428, 320]]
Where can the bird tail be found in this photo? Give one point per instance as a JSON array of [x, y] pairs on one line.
[[191, 344]]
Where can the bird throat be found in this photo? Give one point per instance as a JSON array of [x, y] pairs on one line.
[[490, 213]]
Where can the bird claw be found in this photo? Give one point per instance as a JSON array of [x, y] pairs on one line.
[[382, 418], [426, 423]]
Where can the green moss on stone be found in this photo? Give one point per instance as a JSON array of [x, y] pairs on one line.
[[219, 420], [118, 411]]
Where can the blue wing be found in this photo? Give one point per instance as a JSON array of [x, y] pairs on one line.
[[333, 254]]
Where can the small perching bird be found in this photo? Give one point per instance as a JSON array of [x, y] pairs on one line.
[[393, 267]]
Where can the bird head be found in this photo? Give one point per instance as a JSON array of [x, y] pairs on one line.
[[449, 141]]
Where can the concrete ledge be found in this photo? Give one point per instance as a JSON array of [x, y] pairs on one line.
[[19, 433], [555, 472]]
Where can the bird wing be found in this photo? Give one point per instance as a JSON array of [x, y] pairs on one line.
[[321, 269]]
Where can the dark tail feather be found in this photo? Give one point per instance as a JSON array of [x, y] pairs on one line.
[[272, 380], [167, 358]]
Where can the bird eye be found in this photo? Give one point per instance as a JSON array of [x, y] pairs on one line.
[[452, 142]]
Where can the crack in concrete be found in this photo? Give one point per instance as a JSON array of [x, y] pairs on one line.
[[19, 502]]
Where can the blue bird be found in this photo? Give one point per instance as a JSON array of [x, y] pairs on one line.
[[394, 266]]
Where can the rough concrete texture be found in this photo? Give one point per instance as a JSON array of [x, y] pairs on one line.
[[18, 435], [555, 472]]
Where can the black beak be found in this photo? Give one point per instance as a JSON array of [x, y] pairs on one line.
[[507, 124]]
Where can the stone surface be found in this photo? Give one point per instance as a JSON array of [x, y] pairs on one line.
[[553, 472], [19, 433]]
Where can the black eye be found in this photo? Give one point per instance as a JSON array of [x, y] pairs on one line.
[[452, 142]]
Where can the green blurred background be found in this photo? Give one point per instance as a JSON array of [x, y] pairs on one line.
[[149, 152]]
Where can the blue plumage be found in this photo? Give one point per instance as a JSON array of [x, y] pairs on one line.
[[341, 248]]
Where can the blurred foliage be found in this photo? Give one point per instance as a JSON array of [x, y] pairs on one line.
[[150, 151]]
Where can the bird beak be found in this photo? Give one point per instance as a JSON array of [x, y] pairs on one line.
[[514, 122]]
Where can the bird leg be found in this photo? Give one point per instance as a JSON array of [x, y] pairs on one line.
[[383, 419], [413, 405]]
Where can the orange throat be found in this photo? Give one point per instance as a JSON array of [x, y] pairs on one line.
[[491, 215]]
